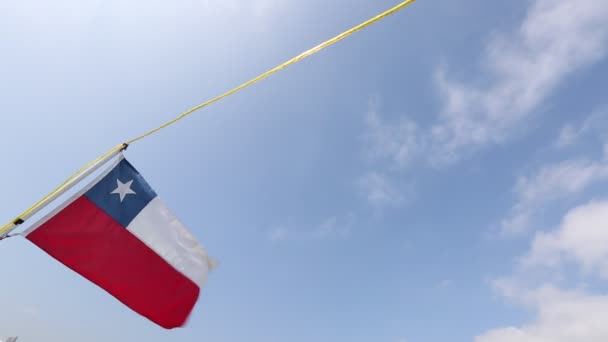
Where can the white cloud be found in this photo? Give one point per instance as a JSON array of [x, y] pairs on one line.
[[576, 315], [559, 180], [279, 234], [581, 238], [444, 284], [330, 228], [397, 142], [571, 134], [393, 145], [568, 136], [562, 316], [518, 70], [380, 192], [334, 227], [556, 38], [551, 182]]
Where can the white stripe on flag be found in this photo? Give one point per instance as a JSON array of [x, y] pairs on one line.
[[160, 230]]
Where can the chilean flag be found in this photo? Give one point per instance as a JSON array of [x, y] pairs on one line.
[[118, 234]]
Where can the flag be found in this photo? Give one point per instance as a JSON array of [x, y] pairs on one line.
[[117, 233]]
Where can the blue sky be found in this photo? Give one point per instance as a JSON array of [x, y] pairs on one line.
[[439, 176]]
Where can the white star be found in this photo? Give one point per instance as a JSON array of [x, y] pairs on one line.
[[123, 189]]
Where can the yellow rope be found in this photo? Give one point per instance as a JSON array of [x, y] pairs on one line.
[[294, 60], [280, 67], [58, 189]]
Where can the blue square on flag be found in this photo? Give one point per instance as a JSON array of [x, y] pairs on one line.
[[117, 233]]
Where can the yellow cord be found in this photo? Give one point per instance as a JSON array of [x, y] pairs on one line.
[[58, 189], [294, 60], [280, 67]]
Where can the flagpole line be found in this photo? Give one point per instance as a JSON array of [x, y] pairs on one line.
[[68, 183], [61, 189], [280, 67]]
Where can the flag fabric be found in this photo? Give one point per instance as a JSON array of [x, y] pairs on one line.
[[118, 234]]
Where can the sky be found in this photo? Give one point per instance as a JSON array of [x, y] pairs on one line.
[[439, 176]]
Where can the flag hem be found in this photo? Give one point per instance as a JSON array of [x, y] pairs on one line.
[[71, 199]]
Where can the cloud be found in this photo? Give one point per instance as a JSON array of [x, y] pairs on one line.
[[581, 240], [562, 316], [334, 227], [559, 180], [380, 191], [571, 134], [279, 234], [393, 145], [549, 183], [519, 70], [330, 228], [568, 136], [444, 284], [397, 142]]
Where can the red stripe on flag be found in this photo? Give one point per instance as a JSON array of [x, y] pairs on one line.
[[87, 240]]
